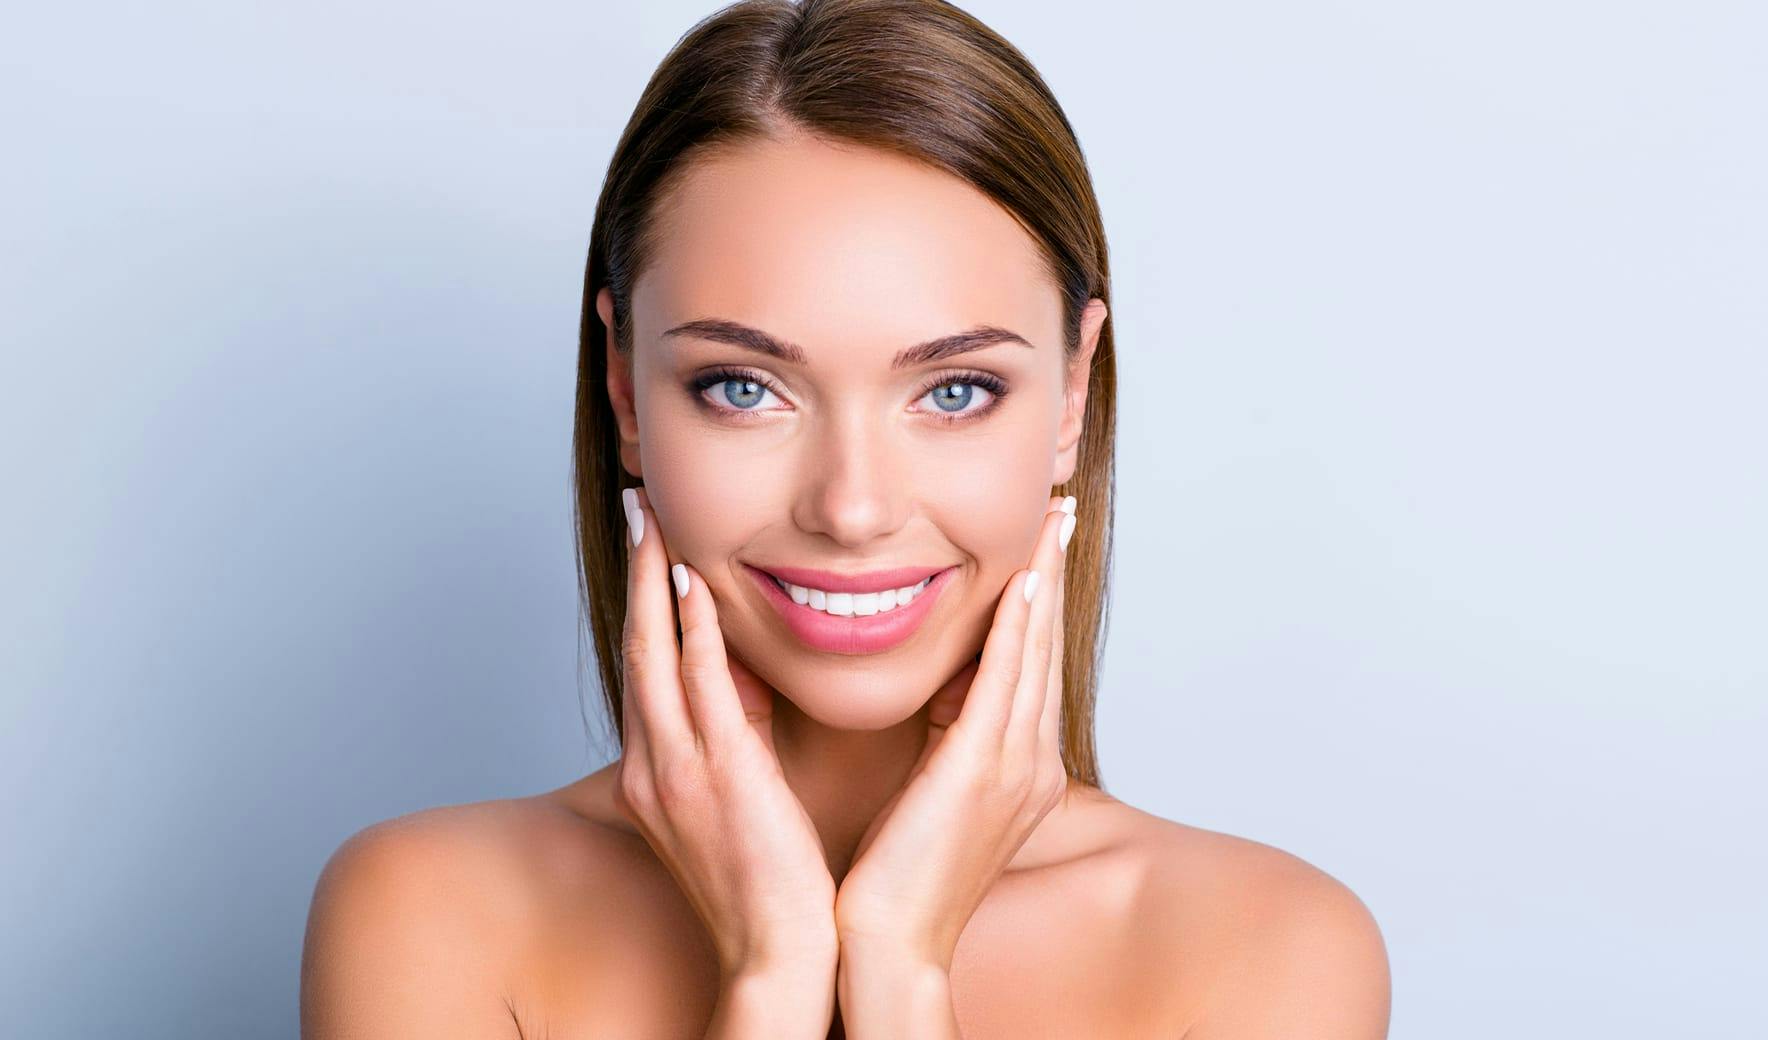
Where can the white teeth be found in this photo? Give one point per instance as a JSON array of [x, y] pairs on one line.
[[849, 604]]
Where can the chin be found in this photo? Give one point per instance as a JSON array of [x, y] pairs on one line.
[[858, 702]]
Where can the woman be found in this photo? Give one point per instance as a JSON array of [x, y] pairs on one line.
[[844, 431]]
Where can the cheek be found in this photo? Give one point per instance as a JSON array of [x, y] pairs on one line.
[[708, 487], [991, 504]]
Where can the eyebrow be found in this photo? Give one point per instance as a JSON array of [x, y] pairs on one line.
[[720, 330]]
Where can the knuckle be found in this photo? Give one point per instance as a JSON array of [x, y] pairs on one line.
[[1054, 797], [1021, 780], [634, 794], [697, 674], [1051, 787], [680, 783], [1001, 783], [1052, 767], [633, 648]]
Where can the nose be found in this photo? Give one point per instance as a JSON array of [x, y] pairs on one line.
[[853, 489]]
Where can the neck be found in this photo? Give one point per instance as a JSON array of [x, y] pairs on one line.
[[843, 776]]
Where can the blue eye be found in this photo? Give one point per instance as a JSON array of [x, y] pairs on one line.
[[740, 389], [743, 390], [953, 392]]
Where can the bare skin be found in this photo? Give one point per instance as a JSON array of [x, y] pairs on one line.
[[556, 916], [1110, 923]]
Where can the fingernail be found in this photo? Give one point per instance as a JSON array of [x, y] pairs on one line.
[[635, 524], [1067, 505], [1030, 586], [680, 574], [635, 517], [1066, 532]]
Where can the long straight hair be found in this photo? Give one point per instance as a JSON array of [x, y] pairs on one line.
[[920, 78]]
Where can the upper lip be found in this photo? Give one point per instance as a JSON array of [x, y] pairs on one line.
[[870, 581]]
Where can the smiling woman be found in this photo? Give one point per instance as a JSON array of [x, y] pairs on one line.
[[827, 571]]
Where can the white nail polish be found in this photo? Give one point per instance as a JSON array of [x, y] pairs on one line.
[[680, 574], [635, 522], [1030, 585], [1067, 505], [629, 496], [1066, 532]]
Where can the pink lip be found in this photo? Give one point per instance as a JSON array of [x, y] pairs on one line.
[[854, 635]]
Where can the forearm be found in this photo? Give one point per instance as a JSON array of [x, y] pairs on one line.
[[784, 1006], [886, 995]]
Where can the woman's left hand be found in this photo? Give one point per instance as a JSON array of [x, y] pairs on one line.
[[990, 772]]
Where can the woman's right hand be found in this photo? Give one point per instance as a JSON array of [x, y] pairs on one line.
[[699, 778]]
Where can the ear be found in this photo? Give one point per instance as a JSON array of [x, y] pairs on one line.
[[620, 394], [1074, 398]]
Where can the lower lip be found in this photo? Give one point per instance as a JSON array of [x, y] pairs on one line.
[[851, 635]]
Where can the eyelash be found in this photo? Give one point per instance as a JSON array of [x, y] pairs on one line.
[[996, 387]]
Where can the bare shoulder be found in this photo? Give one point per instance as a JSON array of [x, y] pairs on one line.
[[416, 921], [1259, 941]]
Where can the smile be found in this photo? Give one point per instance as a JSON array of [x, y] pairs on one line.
[[850, 621], [852, 604]]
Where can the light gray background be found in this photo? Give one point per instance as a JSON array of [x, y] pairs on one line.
[[1442, 335]]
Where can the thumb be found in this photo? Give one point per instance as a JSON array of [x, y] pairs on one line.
[[756, 696], [947, 703]]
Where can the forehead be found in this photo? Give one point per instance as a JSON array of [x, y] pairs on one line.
[[843, 249]]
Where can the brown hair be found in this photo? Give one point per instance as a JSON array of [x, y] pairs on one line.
[[920, 78]]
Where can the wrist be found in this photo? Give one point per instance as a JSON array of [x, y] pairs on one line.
[[783, 961], [886, 990], [892, 955], [786, 1001]]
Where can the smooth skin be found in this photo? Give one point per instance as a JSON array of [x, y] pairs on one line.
[[790, 831]]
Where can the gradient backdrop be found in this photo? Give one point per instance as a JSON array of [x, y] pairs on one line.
[[1443, 492]]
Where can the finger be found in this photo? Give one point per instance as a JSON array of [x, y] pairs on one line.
[[651, 656], [946, 706], [755, 696], [632, 723], [1050, 718], [947, 703], [1040, 643], [705, 672], [988, 705]]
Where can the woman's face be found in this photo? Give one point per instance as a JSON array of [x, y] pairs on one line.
[[845, 461]]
